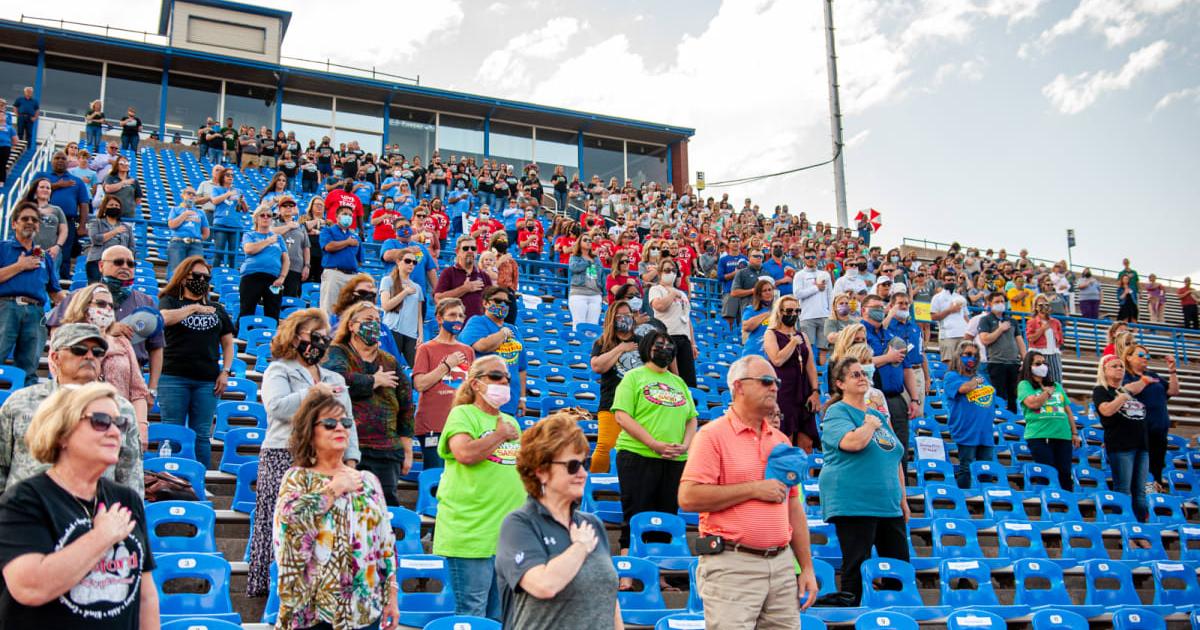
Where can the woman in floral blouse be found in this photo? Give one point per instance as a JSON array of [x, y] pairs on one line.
[[333, 535]]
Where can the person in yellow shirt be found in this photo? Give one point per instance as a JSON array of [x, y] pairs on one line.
[[1020, 297]]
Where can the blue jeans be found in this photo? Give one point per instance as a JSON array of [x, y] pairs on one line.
[[560, 200], [214, 155], [94, 135], [130, 142], [437, 190], [177, 250], [225, 242], [1131, 472], [475, 589], [23, 335], [488, 199], [967, 455], [429, 454], [190, 403]]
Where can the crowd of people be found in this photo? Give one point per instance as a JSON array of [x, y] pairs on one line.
[[342, 425]]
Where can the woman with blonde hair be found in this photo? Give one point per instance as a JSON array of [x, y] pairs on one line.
[[480, 485], [1153, 391], [1045, 336], [94, 305], [840, 316], [1115, 330], [790, 353], [1126, 439], [68, 528]]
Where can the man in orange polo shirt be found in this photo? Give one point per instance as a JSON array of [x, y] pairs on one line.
[[760, 522]]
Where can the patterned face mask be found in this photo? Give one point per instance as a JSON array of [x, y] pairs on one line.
[[497, 311], [369, 332]]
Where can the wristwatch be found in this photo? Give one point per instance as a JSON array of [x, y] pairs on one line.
[[229, 373]]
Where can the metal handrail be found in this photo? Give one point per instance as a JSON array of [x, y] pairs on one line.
[[928, 244], [37, 163]]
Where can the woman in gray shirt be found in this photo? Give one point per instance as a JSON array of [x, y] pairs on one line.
[[106, 230], [584, 290]]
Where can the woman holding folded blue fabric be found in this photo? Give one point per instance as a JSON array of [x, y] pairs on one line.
[[970, 399]]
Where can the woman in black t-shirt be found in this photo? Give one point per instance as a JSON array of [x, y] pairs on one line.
[[1125, 440], [614, 354], [75, 552], [199, 335]]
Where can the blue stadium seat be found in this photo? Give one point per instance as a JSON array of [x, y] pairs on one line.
[[945, 533], [199, 516], [1058, 620], [809, 622], [827, 583], [199, 623], [12, 378], [214, 603], [1195, 619], [1189, 543], [1082, 541], [678, 621], [408, 523], [673, 555], [181, 439], [986, 475], [245, 495], [188, 469], [974, 619], [968, 584], [933, 471], [1039, 476], [250, 323], [1182, 482], [823, 540], [246, 387], [945, 501], [1110, 584], [427, 485], [695, 604], [271, 611], [1000, 504], [418, 609], [1175, 584], [230, 410], [885, 619], [1039, 586], [1132, 533], [1113, 507], [609, 510], [1165, 509], [641, 607], [1137, 619], [1020, 539], [231, 459], [1060, 506], [1089, 479], [905, 600], [462, 622]]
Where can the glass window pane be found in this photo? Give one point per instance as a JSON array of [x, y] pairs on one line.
[[18, 70], [191, 100], [511, 143], [369, 142], [69, 86], [556, 148], [462, 137], [359, 115], [304, 132], [647, 163], [412, 131], [250, 105], [133, 87], [603, 157], [307, 108]]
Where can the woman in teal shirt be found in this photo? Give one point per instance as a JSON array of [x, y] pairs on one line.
[[862, 480], [1049, 423]]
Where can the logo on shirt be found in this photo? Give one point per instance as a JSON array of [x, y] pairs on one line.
[[510, 351], [506, 453], [663, 395], [112, 584], [1134, 410], [519, 557], [981, 396], [201, 321]]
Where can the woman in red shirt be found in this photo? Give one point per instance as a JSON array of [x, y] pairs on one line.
[[529, 238], [619, 277]]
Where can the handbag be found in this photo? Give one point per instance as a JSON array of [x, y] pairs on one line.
[[161, 486]]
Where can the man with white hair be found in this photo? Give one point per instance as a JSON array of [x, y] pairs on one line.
[[751, 528]]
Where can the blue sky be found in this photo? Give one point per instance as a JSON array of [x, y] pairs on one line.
[[991, 122]]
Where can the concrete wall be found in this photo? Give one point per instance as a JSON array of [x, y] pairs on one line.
[[221, 31]]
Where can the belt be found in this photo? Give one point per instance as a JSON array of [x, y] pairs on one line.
[[349, 272], [187, 241], [770, 552], [21, 300]]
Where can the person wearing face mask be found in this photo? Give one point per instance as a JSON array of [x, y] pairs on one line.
[[776, 268], [342, 196], [854, 281], [340, 245], [971, 401], [93, 305], [757, 317], [673, 307], [1154, 392], [949, 309], [840, 316], [484, 227], [401, 299], [814, 288], [488, 334], [790, 353], [1005, 348], [189, 230], [381, 396], [263, 269], [584, 285], [294, 238], [1044, 335], [916, 369], [440, 367], [614, 354], [297, 350], [1049, 422], [107, 230], [530, 239], [657, 416], [480, 486], [890, 354], [382, 220], [742, 290]]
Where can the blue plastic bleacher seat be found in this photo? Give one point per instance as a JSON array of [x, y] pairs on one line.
[[409, 524], [271, 610], [418, 609], [809, 622], [427, 485], [231, 460], [250, 323], [642, 607], [1039, 476], [199, 516], [200, 623], [1182, 482], [1137, 619], [188, 469], [246, 387], [1082, 541], [1058, 620], [824, 542], [462, 622], [1060, 506], [1000, 504], [904, 600], [245, 495], [986, 475], [1133, 533], [943, 500], [181, 439], [875, 620], [1088, 478], [1039, 584], [609, 510], [933, 471], [968, 584], [679, 621], [230, 410], [1020, 539], [826, 583], [1165, 509], [673, 555], [1189, 543], [945, 531], [1113, 507], [1175, 584], [1110, 584], [213, 603], [974, 619], [12, 378]]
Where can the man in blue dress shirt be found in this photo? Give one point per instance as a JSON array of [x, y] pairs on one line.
[[27, 281], [28, 110]]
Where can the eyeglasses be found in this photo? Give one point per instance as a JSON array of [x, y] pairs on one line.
[[766, 380], [1143, 355], [409, 261], [495, 376], [201, 276], [102, 303], [100, 421], [573, 466], [332, 423], [856, 374], [81, 350]]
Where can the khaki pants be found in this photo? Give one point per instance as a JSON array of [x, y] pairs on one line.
[[332, 282], [947, 347], [745, 591]]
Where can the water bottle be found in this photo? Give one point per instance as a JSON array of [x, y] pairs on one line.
[[164, 449]]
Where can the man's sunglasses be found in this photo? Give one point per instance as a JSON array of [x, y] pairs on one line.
[[122, 262], [765, 380], [81, 350], [332, 423], [468, 248], [573, 466], [100, 421], [495, 376]]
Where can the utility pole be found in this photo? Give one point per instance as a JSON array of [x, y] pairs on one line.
[[835, 122]]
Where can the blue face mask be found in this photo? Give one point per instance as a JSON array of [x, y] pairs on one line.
[[345, 220], [969, 362], [869, 370], [452, 327], [876, 314], [404, 232]]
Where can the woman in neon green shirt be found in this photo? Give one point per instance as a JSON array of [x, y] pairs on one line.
[[479, 487], [1049, 423]]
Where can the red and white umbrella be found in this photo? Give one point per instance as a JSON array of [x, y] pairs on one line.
[[871, 215]]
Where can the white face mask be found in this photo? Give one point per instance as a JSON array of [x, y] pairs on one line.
[[669, 278], [635, 303], [101, 317], [1040, 371]]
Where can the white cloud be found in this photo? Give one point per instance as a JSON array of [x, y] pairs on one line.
[[509, 66], [1188, 94], [1119, 21], [1071, 95], [372, 42], [1014, 10], [970, 70], [499, 8]]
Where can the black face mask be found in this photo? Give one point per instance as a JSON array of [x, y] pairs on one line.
[[662, 357], [862, 266], [312, 351], [950, 286], [777, 252], [789, 320], [112, 213], [501, 247], [197, 287]]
